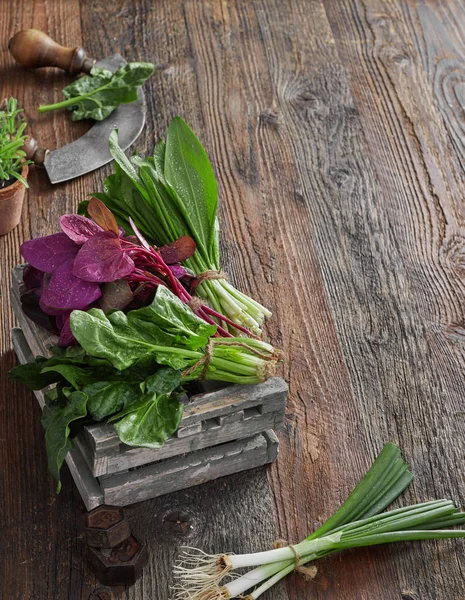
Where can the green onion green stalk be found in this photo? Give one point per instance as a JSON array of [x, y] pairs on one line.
[[358, 522]]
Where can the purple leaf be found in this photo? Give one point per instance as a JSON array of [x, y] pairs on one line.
[[102, 215], [66, 292], [66, 335], [32, 277], [179, 271], [49, 252], [133, 239], [177, 251], [115, 294], [78, 228], [102, 259], [32, 310]]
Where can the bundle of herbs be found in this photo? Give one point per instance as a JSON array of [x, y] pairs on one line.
[[359, 522], [173, 194], [123, 367], [12, 138]]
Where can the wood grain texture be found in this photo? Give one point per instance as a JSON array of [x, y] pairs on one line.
[[412, 288], [335, 129]]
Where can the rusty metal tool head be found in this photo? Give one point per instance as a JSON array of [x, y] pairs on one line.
[[34, 49]]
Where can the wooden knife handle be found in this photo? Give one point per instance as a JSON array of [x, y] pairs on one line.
[[33, 48], [34, 152]]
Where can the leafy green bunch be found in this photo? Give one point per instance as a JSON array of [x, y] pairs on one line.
[[174, 193], [12, 138]]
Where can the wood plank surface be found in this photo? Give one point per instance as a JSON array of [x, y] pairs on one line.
[[336, 132]]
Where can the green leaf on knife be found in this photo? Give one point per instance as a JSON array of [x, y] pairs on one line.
[[96, 96]]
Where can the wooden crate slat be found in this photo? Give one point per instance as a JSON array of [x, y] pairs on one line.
[[103, 441], [190, 470], [128, 457]]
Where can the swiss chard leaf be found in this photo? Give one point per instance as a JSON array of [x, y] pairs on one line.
[[56, 420], [67, 292], [96, 96], [102, 216], [178, 251], [78, 228], [115, 294], [158, 330], [154, 421], [189, 173]]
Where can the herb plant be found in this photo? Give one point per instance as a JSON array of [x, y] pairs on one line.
[[358, 522], [12, 138], [96, 96], [172, 194]]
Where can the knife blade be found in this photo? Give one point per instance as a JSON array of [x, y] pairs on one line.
[[90, 151]]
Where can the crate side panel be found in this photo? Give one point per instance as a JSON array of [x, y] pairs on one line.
[[267, 397], [186, 471]]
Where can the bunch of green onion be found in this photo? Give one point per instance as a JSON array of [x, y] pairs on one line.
[[358, 522]]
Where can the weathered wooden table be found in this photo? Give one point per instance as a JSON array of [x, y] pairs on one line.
[[336, 130]]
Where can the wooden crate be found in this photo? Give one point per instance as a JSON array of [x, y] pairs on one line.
[[224, 429]]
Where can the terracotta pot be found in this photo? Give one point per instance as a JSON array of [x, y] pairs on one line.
[[11, 203]]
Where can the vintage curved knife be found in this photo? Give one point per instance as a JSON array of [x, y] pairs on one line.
[[33, 48]]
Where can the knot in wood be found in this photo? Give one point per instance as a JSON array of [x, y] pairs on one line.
[[179, 522]]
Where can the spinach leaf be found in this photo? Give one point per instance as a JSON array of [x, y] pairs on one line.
[[167, 330], [190, 176], [73, 374], [164, 381], [96, 96], [56, 420], [108, 397], [184, 328], [30, 374], [154, 421]]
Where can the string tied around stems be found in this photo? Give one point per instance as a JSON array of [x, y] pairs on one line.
[[204, 361], [195, 303], [308, 573], [209, 275]]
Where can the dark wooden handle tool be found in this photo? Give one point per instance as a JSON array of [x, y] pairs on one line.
[[34, 49]]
